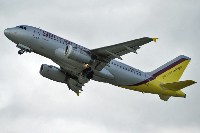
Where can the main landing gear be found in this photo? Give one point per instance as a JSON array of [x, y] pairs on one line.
[[20, 52], [85, 76], [88, 72]]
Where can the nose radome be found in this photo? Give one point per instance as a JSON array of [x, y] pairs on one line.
[[6, 32]]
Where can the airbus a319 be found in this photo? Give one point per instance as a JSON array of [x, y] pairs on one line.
[[79, 65]]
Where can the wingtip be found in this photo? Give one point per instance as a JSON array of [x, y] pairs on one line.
[[194, 82], [155, 39]]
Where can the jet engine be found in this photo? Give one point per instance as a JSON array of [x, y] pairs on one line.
[[76, 54], [53, 73]]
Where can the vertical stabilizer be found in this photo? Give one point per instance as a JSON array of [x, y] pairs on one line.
[[171, 71]]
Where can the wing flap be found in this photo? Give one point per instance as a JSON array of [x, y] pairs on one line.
[[74, 86]]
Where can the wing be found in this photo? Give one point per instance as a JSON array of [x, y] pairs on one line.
[[75, 78], [105, 54], [117, 50]]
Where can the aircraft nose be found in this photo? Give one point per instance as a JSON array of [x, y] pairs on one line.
[[6, 32]]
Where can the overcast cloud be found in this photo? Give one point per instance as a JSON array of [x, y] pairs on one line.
[[31, 103]]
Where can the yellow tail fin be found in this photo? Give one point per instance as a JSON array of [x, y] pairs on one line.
[[169, 75], [171, 71]]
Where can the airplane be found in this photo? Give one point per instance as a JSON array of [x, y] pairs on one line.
[[79, 65]]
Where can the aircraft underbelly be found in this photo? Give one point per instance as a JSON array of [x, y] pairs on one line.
[[122, 78], [154, 87], [149, 87]]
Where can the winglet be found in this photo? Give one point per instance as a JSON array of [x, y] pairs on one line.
[[154, 39]]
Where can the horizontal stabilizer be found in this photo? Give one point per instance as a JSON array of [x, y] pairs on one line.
[[163, 97], [175, 86]]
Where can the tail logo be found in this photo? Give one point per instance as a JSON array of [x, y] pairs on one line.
[[172, 71]]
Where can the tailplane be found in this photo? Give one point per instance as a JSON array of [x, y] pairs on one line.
[[175, 86], [163, 97]]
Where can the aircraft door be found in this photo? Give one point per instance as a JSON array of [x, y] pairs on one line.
[[36, 34]]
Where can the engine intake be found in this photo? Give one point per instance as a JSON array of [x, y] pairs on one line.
[[53, 73]]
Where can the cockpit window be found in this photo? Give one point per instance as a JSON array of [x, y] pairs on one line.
[[22, 27]]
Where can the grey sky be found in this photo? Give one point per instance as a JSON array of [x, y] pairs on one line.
[[31, 103]]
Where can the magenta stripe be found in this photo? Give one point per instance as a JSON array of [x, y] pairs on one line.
[[160, 72], [169, 67]]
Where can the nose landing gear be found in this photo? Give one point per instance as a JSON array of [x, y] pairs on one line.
[[23, 49]]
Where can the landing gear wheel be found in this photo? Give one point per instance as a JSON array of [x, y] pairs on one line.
[[88, 72], [20, 52]]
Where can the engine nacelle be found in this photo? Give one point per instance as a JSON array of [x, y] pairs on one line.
[[73, 53], [53, 73]]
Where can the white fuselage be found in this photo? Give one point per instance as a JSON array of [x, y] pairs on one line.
[[45, 44], [78, 64]]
